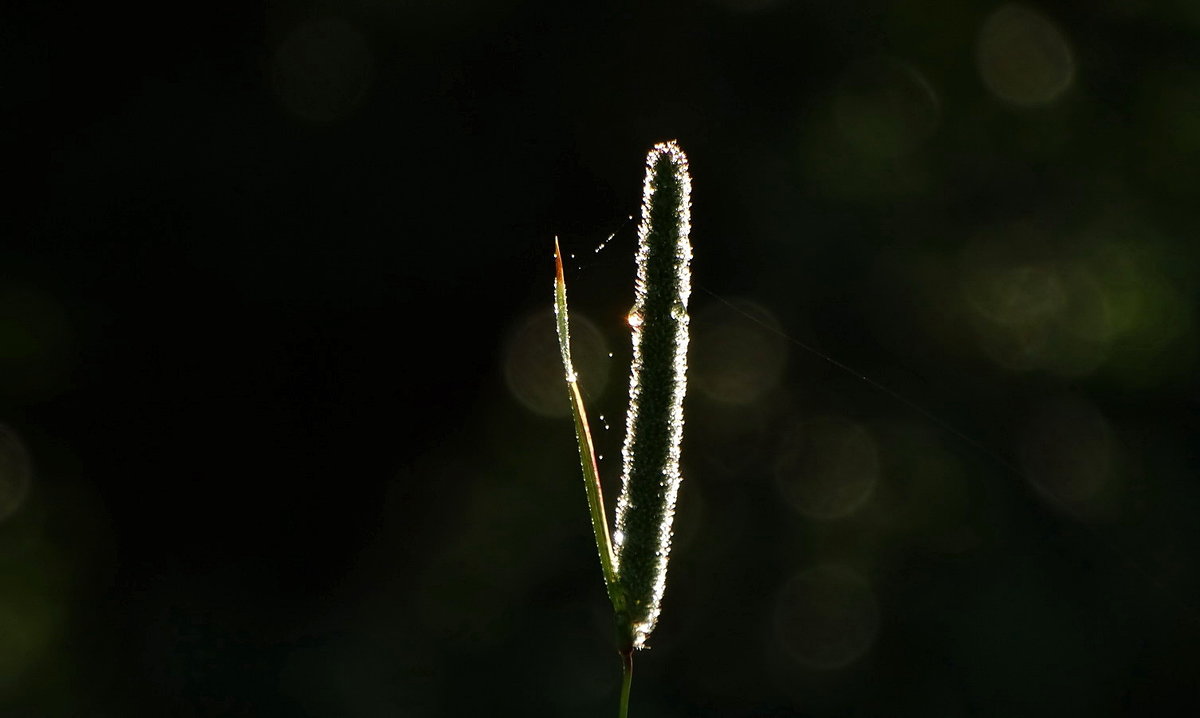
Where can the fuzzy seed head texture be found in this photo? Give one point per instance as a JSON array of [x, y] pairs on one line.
[[657, 385]]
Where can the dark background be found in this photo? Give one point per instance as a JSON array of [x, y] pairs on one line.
[[283, 432]]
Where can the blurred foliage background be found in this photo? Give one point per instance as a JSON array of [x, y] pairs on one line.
[[282, 431]]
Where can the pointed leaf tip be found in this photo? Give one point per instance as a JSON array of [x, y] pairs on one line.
[[558, 263]]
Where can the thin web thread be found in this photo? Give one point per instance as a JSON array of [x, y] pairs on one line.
[[1131, 562]]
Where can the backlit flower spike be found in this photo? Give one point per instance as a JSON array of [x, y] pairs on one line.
[[657, 384]]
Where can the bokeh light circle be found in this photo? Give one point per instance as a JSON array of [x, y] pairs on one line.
[[1033, 310], [14, 472], [747, 6], [885, 108], [1023, 58], [827, 468], [533, 367], [738, 352], [322, 70], [1067, 453], [826, 617], [36, 343]]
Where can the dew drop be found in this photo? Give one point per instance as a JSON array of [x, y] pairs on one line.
[[604, 244]]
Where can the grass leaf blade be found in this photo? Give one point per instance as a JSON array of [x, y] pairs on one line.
[[583, 435]]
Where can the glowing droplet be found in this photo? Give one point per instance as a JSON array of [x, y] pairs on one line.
[[605, 242], [635, 320]]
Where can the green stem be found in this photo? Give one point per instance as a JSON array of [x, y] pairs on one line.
[[626, 681]]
